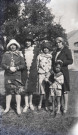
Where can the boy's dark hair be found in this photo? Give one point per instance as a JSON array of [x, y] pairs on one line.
[[58, 63]]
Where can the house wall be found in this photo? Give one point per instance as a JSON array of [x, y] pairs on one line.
[[74, 51]]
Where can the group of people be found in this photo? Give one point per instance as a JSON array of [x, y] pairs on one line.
[[49, 69]]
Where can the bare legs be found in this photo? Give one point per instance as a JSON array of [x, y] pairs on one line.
[[65, 102], [28, 103], [53, 104], [8, 102], [58, 105], [18, 102], [40, 103]]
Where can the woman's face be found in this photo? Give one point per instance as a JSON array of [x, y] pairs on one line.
[[46, 50], [13, 47], [59, 44], [28, 43]]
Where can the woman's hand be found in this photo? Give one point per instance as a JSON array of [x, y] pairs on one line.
[[13, 69], [60, 61]]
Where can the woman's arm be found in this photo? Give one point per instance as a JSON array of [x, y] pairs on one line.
[[22, 64], [60, 80], [68, 59], [4, 62]]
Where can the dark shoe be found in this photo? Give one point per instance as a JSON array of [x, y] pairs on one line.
[[53, 114], [51, 108]]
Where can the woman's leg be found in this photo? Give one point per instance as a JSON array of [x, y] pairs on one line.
[[40, 103], [41, 89], [8, 102], [18, 102], [65, 102], [30, 102], [26, 103], [46, 96]]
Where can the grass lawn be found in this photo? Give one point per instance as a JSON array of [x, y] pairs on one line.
[[39, 123]]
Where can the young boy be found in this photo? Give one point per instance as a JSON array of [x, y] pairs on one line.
[[44, 63], [56, 83]]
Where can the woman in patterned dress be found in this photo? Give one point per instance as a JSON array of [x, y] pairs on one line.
[[44, 65]]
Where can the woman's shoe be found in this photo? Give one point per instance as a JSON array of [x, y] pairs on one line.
[[46, 108], [6, 111], [51, 108], [31, 107], [39, 107], [53, 114], [65, 111], [58, 112], [25, 109], [18, 111]]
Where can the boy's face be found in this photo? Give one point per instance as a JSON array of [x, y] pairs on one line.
[[46, 50], [57, 68]]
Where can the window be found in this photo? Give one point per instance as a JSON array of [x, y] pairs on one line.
[[76, 44]]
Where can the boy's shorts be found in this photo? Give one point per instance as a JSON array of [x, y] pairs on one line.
[[55, 92]]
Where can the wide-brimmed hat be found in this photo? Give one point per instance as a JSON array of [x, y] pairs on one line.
[[13, 41]]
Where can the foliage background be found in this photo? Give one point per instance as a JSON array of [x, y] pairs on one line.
[[29, 19]]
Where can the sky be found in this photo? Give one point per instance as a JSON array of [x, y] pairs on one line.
[[66, 13]]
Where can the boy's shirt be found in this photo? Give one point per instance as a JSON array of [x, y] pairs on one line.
[[44, 63], [60, 80]]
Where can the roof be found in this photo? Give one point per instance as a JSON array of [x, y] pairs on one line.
[[72, 38], [70, 34]]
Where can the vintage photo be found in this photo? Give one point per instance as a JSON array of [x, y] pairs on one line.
[[38, 67]]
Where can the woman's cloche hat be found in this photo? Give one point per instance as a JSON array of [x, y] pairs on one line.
[[46, 44], [13, 41], [60, 39]]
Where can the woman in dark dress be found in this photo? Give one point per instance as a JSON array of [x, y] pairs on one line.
[[13, 63], [63, 54]]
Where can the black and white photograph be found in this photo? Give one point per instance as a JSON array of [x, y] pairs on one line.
[[38, 67]]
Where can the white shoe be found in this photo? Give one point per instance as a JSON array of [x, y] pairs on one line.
[[46, 108], [65, 111], [6, 111], [31, 107], [25, 109], [18, 111], [39, 107], [58, 112]]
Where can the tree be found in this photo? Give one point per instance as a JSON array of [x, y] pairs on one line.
[[35, 20]]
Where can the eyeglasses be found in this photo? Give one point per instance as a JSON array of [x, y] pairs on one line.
[[58, 42]]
